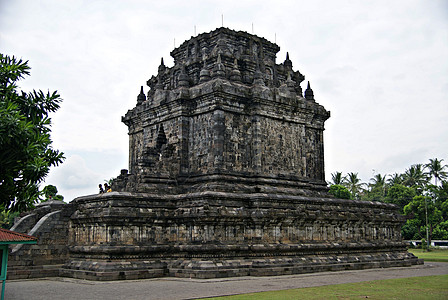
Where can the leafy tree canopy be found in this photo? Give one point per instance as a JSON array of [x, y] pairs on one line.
[[415, 177], [339, 191], [337, 178], [437, 170], [418, 208], [26, 152], [51, 193], [400, 195], [412, 191], [354, 184]]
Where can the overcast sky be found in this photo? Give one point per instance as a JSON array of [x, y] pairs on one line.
[[380, 67]]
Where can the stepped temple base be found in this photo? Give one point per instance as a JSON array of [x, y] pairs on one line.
[[218, 268], [119, 235]]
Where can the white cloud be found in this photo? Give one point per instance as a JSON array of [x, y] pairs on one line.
[[72, 177], [82, 171]]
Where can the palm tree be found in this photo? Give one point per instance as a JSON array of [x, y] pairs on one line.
[[379, 182], [415, 176], [436, 169], [395, 179], [336, 178], [354, 184]]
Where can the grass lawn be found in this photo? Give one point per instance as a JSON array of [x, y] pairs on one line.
[[433, 255], [429, 287]]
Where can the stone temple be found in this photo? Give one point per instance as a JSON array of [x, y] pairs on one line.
[[226, 178]]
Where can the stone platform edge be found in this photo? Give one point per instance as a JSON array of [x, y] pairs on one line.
[[219, 268]]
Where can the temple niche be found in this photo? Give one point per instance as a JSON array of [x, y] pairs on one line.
[[226, 178]]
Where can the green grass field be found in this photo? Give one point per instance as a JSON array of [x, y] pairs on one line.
[[429, 287], [433, 255]]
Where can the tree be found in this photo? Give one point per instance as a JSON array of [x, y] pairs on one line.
[[441, 198], [7, 218], [400, 195], [415, 177], [377, 189], [354, 184], [395, 179], [417, 209], [440, 232], [411, 230], [436, 170], [378, 181], [339, 191], [402, 190], [51, 193], [26, 152], [336, 178]]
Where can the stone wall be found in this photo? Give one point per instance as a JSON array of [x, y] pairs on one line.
[[226, 218], [49, 223], [207, 235]]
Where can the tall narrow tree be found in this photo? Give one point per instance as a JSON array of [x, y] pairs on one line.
[[336, 178], [379, 183], [395, 179], [354, 184], [436, 170]]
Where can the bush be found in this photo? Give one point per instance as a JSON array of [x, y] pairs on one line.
[[410, 230], [339, 191], [7, 218], [423, 244]]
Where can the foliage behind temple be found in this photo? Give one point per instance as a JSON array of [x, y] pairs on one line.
[[413, 191]]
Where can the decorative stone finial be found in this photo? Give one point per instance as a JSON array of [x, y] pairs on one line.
[[141, 97], [309, 95], [183, 78], [258, 76], [219, 69], [290, 83], [287, 63], [235, 75], [162, 66], [204, 75]]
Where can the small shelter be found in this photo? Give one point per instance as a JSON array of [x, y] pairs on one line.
[[8, 237]]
